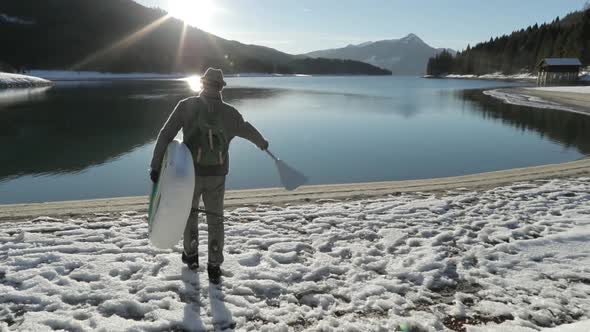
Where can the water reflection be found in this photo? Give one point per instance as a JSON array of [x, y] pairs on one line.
[[78, 125], [567, 128], [12, 97]]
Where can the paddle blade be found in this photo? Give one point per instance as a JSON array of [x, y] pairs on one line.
[[290, 177]]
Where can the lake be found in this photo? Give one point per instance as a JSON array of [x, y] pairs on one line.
[[83, 140]]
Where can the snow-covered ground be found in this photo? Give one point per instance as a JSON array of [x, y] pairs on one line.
[[496, 76], [584, 76], [518, 256], [8, 80]]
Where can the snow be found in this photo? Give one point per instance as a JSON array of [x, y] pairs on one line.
[[496, 76], [583, 326], [8, 80], [584, 76], [15, 20], [367, 43], [460, 76], [570, 89], [411, 38], [513, 258], [521, 76]]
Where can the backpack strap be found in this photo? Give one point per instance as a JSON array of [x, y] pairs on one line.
[[195, 107]]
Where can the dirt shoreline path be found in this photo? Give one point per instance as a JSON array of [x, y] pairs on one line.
[[307, 194], [546, 99], [579, 101]]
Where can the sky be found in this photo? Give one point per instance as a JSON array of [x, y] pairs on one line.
[[300, 26]]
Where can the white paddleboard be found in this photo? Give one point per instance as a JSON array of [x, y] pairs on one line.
[[172, 196]]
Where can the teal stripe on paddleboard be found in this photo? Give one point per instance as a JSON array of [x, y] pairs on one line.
[[154, 196]]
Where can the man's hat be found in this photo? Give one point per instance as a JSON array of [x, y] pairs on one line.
[[213, 75]]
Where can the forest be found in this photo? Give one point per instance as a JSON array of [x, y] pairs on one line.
[[522, 50]]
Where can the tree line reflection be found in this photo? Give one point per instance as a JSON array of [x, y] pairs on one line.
[[566, 128], [75, 126]]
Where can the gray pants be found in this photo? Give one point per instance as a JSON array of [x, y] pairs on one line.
[[212, 188]]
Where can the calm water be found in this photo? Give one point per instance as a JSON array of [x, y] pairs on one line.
[[93, 140]]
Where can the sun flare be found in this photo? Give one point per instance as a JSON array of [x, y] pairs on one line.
[[197, 13], [194, 83]]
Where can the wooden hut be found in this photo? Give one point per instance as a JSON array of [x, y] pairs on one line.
[[558, 71]]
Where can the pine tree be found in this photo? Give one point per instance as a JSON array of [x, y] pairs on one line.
[[524, 48]]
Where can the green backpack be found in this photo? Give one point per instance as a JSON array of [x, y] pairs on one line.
[[208, 141]]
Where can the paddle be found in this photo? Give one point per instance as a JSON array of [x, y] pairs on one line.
[[290, 178]]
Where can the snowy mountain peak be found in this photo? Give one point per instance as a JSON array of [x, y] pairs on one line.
[[360, 45], [365, 44], [405, 56], [412, 38]]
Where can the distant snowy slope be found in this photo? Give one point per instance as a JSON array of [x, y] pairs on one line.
[[15, 20], [8, 80], [516, 255], [408, 55]]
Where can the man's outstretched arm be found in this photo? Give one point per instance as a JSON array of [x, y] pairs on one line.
[[166, 135], [247, 131]]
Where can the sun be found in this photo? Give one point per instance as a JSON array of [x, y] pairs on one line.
[[194, 83], [197, 13]]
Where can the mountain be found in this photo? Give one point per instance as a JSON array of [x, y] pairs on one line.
[[124, 36], [323, 66], [522, 50], [405, 56]]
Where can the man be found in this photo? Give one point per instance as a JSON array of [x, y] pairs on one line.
[[208, 125]]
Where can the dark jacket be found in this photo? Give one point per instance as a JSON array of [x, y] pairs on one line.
[[184, 117]]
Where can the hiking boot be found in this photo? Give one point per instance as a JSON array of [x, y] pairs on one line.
[[192, 261], [214, 272]]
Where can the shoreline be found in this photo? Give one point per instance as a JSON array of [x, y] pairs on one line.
[[308, 194], [487, 77], [547, 99], [66, 76]]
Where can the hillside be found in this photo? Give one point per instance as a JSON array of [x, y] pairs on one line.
[[323, 66], [521, 50], [122, 36], [405, 56]]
